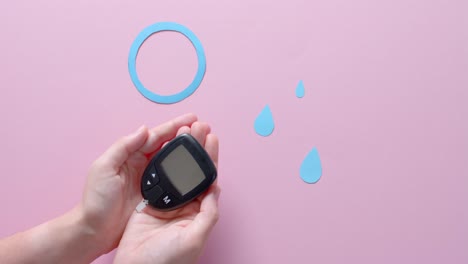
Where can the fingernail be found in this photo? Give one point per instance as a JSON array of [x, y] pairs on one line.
[[138, 131]]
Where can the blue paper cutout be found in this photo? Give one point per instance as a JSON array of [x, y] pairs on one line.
[[264, 124], [300, 91], [146, 33], [311, 167]]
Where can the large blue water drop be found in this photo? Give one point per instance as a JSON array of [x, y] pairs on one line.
[[300, 91], [264, 124], [311, 167]]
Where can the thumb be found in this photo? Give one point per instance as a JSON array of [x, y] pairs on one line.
[[119, 152]]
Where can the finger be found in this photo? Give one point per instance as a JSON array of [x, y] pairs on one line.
[[119, 152], [182, 130], [212, 147], [208, 215], [199, 130], [166, 132]]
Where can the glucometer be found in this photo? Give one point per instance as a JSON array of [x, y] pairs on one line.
[[177, 174]]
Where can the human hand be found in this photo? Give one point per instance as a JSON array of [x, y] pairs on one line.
[[113, 186], [177, 236], [96, 224]]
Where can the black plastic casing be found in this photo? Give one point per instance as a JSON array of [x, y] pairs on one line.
[[155, 195]]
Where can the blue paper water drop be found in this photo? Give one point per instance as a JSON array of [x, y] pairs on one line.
[[264, 123], [311, 167], [300, 91]]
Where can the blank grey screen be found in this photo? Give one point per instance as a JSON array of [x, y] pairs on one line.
[[182, 170]]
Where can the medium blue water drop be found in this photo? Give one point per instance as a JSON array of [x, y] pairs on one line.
[[311, 167], [300, 91], [264, 123]]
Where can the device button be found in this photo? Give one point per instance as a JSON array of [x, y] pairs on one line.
[[147, 183], [153, 176], [153, 194], [166, 200]]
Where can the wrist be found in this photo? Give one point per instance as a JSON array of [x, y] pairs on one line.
[[80, 236], [89, 233], [66, 239]]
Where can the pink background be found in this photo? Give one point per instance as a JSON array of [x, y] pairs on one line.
[[386, 105]]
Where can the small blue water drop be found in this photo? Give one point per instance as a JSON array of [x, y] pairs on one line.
[[311, 167], [300, 91], [264, 123]]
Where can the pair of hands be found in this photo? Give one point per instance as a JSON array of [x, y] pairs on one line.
[[113, 191]]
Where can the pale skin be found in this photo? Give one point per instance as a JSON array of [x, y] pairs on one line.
[[106, 217]]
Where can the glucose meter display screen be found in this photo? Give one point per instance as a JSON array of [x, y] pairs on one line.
[[182, 170]]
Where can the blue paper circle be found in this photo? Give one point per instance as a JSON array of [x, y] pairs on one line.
[[146, 33]]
